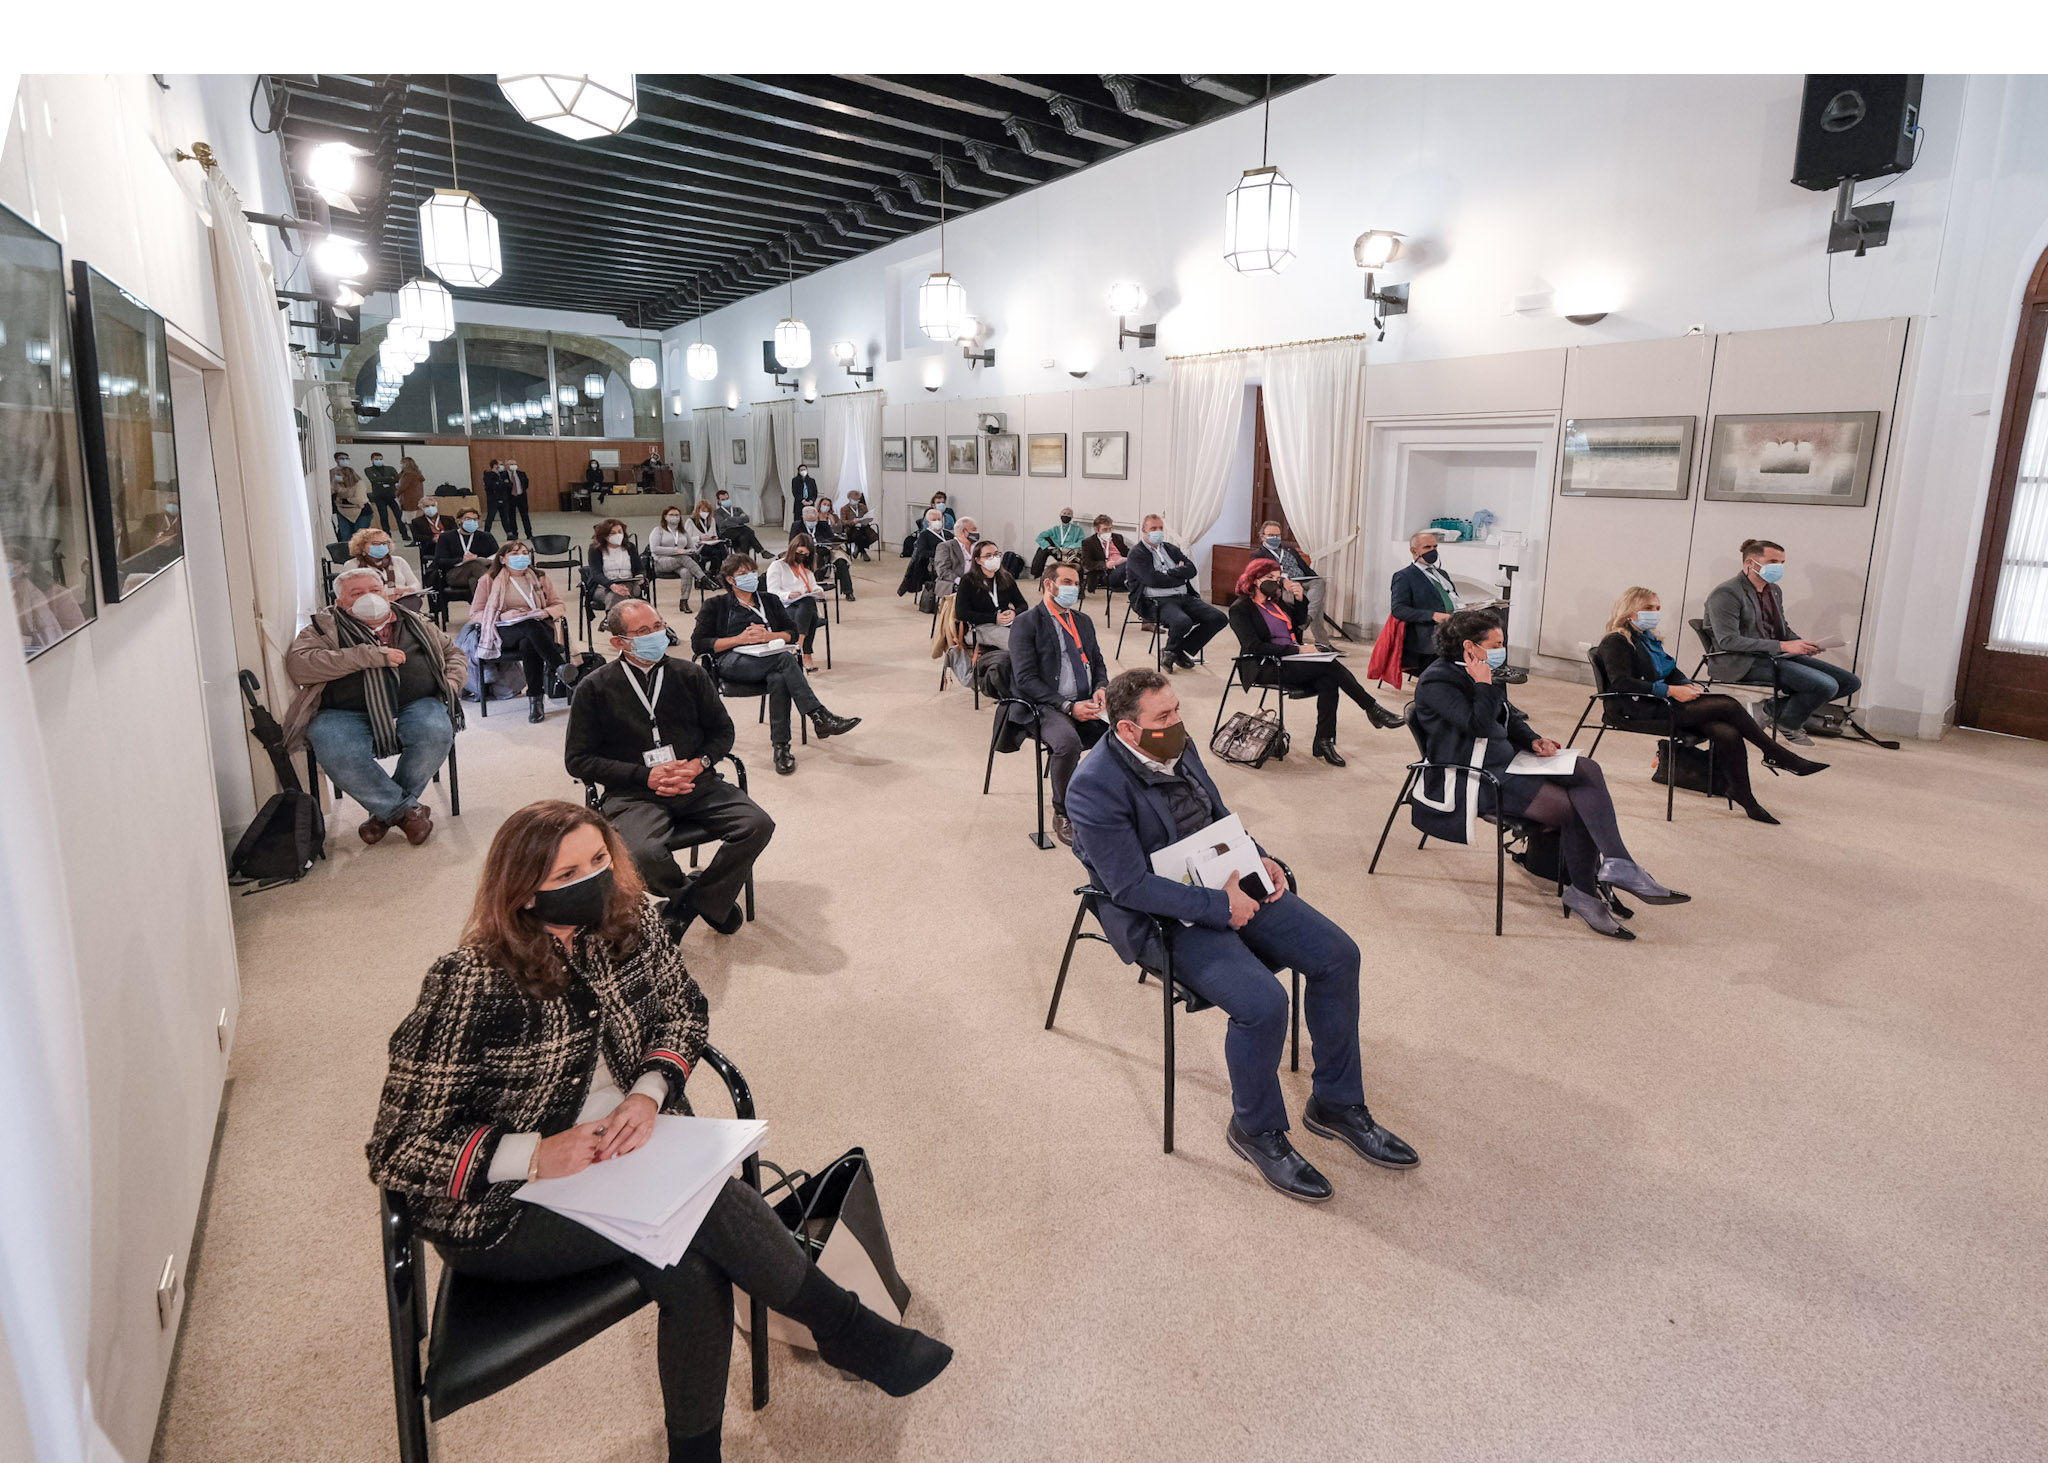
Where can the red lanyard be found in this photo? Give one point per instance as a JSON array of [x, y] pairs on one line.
[[1067, 624]]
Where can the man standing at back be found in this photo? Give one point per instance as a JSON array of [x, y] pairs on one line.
[[517, 499], [1143, 788]]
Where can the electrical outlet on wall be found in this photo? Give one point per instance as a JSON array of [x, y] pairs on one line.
[[1047, 364]]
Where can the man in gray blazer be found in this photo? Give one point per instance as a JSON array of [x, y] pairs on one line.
[[1747, 617]]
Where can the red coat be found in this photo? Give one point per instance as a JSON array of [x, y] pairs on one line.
[[1386, 654]]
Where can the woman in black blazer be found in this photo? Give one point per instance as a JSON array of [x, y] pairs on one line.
[[1269, 618], [1466, 720], [749, 615], [1656, 692], [612, 570]]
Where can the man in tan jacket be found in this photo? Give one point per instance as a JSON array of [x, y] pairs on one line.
[[376, 681], [350, 496]]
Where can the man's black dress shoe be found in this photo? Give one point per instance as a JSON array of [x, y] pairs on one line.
[[785, 763], [825, 724], [1278, 1164], [1328, 752], [1354, 1126]]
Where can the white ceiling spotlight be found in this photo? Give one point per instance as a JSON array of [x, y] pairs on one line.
[[331, 169], [577, 106], [1373, 251], [426, 305], [340, 258], [1262, 214], [458, 235]]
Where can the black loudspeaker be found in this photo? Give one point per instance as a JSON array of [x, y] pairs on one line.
[[768, 362], [336, 326], [1854, 127]]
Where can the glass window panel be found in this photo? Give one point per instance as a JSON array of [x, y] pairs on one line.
[[130, 451], [429, 400], [42, 480], [618, 412], [508, 382]]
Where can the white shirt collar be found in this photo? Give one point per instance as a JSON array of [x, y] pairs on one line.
[[1150, 761]]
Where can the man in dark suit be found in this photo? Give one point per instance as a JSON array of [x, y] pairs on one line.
[[803, 491], [1056, 665], [1104, 557], [495, 509], [647, 728], [1144, 788], [1423, 599], [518, 499], [1165, 579], [919, 571]]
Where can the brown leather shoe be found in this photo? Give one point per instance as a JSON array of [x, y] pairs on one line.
[[372, 830], [417, 825]]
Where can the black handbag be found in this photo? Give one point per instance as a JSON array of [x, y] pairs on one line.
[[836, 1216], [1692, 768]]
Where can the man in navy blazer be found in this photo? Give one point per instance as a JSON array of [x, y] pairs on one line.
[[1144, 787], [1423, 599], [1056, 665]]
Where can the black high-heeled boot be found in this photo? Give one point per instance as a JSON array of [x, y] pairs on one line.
[[856, 1339], [537, 708]]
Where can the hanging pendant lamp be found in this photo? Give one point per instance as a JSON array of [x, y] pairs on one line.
[[941, 299], [701, 360], [584, 106], [426, 305], [593, 386], [1262, 214], [643, 372], [458, 235], [792, 336]]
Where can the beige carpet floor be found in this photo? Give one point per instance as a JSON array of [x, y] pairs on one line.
[[1767, 1183]]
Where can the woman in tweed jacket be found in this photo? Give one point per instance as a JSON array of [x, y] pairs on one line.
[[548, 1042]]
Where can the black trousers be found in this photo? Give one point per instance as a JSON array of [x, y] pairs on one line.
[[516, 503], [784, 677], [1065, 740], [1190, 623], [744, 539], [390, 516], [497, 506], [533, 641], [1579, 806], [1728, 723], [741, 1242], [1328, 679], [715, 806]]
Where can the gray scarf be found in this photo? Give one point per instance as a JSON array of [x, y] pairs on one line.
[[380, 683]]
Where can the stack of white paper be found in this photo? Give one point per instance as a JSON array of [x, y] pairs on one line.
[[650, 1201], [767, 647], [1218, 856]]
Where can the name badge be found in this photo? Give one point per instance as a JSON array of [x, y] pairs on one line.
[[658, 756]]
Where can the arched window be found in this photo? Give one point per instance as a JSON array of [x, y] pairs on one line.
[[2003, 685]]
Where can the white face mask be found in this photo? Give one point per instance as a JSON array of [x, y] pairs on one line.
[[617, 539], [371, 608], [989, 566]]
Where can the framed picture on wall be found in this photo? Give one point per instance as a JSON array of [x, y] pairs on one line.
[[963, 456], [683, 451], [1627, 457], [43, 510], [924, 454], [1002, 454], [739, 452], [1105, 454], [131, 459], [807, 450], [1048, 454], [1793, 457], [895, 454]]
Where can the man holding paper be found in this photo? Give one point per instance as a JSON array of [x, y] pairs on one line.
[[1144, 789], [1467, 721], [551, 1040], [1747, 616]]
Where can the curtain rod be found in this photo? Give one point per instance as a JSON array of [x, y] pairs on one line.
[[1245, 350], [827, 396]]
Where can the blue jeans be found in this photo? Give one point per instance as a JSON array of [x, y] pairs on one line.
[[341, 741], [1812, 684], [1229, 969], [346, 528]]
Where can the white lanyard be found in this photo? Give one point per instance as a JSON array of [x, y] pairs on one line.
[[516, 584], [653, 721], [466, 537]]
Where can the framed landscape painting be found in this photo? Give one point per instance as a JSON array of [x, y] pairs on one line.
[[131, 457], [924, 454], [963, 456], [1794, 457], [895, 454], [1002, 455], [1627, 457], [1105, 454], [1048, 454]]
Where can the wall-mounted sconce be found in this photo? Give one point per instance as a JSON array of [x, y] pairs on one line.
[[1125, 300], [931, 388], [1078, 375], [843, 352], [1591, 318], [1373, 251], [970, 336]]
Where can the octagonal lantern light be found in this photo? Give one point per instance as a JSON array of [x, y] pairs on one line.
[[593, 386], [701, 361], [941, 306], [459, 239], [426, 305], [578, 105], [643, 373], [1261, 217], [792, 344]]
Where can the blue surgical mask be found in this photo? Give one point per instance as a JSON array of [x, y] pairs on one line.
[[1648, 620], [1770, 573], [651, 646], [1067, 596], [746, 583], [1272, 543], [378, 551], [1156, 536], [1497, 657], [518, 561]]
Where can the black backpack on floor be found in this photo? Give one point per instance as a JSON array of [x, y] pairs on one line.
[[289, 831]]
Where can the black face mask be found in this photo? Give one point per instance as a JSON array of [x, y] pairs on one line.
[[1430, 557], [582, 903], [1066, 518]]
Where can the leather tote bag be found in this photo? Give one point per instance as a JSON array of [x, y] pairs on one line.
[[837, 1216], [1249, 738]]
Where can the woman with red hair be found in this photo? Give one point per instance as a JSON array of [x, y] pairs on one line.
[[1269, 617]]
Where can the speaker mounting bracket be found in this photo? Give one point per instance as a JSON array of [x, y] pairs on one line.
[[1856, 228]]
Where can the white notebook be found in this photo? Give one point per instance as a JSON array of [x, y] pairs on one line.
[[650, 1201], [1531, 765]]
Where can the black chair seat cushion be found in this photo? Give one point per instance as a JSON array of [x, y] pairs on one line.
[[487, 1334]]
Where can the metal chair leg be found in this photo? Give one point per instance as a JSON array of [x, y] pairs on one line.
[[1041, 839], [1058, 986], [1166, 994], [994, 732], [1599, 732], [1406, 786], [1591, 701], [454, 784], [1294, 1001], [1500, 865]]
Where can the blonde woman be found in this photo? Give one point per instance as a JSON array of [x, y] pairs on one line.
[[370, 548], [1652, 687]]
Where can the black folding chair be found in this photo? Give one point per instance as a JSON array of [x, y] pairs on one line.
[[1507, 827], [1608, 700], [683, 836], [1041, 838], [1705, 678], [1171, 990], [595, 602], [483, 700], [554, 551], [337, 555], [1155, 627], [454, 778], [732, 692], [487, 1334], [1244, 672]]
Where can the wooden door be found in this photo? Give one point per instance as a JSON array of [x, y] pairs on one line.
[[1265, 497], [2004, 690]]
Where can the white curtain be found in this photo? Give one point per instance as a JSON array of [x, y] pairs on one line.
[[1315, 436], [703, 472], [46, 1150], [774, 496], [2019, 613], [1208, 408], [266, 441], [852, 450]]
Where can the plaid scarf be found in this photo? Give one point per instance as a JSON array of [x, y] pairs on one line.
[[380, 683]]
